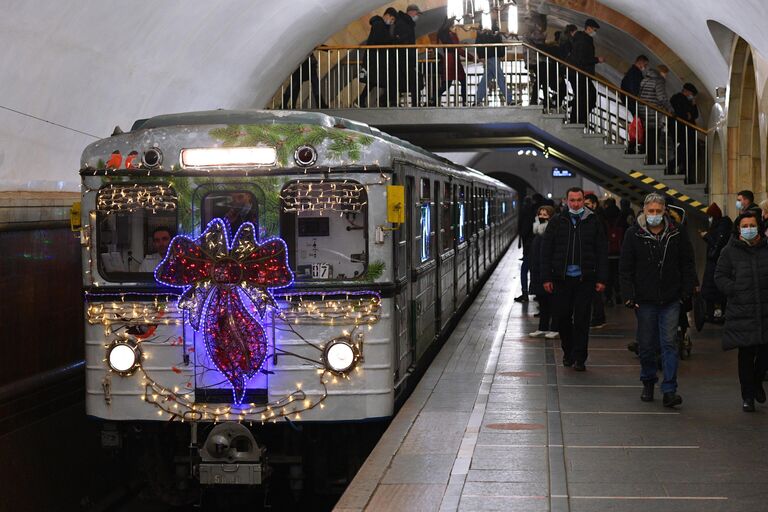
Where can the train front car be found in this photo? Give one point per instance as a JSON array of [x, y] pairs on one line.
[[237, 267]]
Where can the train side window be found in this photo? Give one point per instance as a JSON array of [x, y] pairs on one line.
[[132, 242], [446, 218], [325, 224], [486, 211], [425, 222], [235, 206], [461, 221]]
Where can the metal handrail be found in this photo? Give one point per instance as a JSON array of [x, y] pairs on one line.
[[401, 76]]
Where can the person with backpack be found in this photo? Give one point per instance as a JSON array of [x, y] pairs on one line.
[[615, 227]]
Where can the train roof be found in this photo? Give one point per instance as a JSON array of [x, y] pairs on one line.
[[230, 117]]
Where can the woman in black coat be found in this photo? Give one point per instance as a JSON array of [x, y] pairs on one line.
[[547, 319], [742, 275], [716, 238]]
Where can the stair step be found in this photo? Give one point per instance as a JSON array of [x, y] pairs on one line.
[[570, 126], [616, 146], [553, 116]]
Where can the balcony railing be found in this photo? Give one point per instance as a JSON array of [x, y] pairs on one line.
[[495, 76]]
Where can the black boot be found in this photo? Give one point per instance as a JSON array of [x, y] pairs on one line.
[[760, 392], [672, 399], [647, 394], [748, 405]]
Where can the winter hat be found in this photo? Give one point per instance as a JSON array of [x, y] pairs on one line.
[[714, 211], [688, 86]]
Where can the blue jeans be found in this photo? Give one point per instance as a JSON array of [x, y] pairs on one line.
[[492, 70], [657, 327]]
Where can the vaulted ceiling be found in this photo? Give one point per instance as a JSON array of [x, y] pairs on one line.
[[73, 69]]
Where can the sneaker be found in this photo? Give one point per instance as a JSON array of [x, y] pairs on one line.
[[597, 325], [552, 335], [579, 367], [537, 334], [567, 362], [748, 405], [522, 298]]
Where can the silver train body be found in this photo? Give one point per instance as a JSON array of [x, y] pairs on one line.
[[329, 188]]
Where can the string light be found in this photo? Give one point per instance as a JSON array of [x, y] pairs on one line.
[[303, 196], [130, 198]]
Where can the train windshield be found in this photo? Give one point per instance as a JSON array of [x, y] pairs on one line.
[[324, 223], [134, 229]]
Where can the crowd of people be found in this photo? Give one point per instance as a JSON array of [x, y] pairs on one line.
[[583, 256]]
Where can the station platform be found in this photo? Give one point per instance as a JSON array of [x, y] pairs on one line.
[[497, 423]]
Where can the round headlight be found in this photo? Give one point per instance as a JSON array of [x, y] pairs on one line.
[[123, 357], [305, 156], [340, 355]]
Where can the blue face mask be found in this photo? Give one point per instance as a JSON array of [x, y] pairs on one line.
[[748, 233], [576, 212], [738, 205], [654, 220]]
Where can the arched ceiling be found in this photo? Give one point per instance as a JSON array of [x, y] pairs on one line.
[[73, 69]]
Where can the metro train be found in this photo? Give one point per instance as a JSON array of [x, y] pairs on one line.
[[250, 268]]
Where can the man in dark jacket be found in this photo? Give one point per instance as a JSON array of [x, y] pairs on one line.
[[657, 272], [574, 265], [405, 33], [381, 34], [583, 57], [631, 81], [684, 106]]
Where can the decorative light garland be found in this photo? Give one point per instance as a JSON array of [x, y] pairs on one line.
[[124, 198], [364, 310], [321, 196]]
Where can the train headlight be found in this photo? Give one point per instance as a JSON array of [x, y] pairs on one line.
[[123, 357], [341, 355], [152, 158]]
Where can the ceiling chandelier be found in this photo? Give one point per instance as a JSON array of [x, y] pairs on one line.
[[484, 13]]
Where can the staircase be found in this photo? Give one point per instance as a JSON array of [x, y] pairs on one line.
[[600, 152]]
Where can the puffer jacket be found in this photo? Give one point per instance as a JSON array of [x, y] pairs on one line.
[[536, 285], [716, 239], [586, 240], [656, 270], [742, 275]]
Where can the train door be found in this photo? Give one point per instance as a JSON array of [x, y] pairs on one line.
[[404, 332]]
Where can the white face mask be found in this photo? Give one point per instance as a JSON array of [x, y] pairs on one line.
[[415, 17]]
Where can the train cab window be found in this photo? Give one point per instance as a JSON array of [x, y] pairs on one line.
[[446, 229], [324, 223], [235, 206], [130, 244], [461, 221]]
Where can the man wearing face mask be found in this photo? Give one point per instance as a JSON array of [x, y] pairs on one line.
[[745, 201], [377, 61], [583, 57], [658, 273], [574, 265], [405, 33]]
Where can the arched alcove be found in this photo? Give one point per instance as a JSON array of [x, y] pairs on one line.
[[743, 163], [718, 183]]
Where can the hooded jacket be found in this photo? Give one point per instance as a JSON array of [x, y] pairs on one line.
[[585, 243], [742, 275], [656, 269], [379, 59]]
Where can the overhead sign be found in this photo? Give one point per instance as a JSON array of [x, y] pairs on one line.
[[559, 172]]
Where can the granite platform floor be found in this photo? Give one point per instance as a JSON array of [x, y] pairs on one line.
[[497, 423]]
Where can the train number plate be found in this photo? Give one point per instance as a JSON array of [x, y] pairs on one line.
[[321, 271]]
